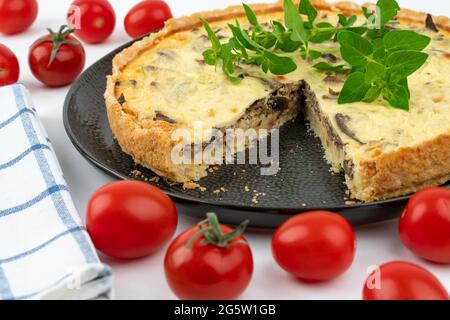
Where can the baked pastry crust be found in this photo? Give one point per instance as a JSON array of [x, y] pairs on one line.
[[149, 141]]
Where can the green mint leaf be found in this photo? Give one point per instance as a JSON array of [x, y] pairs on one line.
[[326, 67], [396, 40], [372, 94], [278, 65], [398, 95], [354, 48], [354, 89], [308, 9], [212, 36], [375, 71], [388, 10], [251, 16], [404, 63], [294, 22]]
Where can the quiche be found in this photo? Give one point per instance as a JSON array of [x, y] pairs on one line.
[[161, 83]]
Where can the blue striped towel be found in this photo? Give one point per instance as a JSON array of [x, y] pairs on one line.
[[45, 252]]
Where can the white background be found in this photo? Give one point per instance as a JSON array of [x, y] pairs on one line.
[[144, 278]]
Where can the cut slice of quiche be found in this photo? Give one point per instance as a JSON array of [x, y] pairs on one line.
[[161, 84]]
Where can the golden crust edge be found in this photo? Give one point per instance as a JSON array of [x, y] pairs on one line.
[[406, 170], [155, 152]]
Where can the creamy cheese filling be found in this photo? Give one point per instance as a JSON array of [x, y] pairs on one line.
[[171, 80]]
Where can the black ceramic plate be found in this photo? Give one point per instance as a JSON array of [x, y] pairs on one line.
[[303, 183]]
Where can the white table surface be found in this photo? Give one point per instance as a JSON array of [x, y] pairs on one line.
[[144, 278]]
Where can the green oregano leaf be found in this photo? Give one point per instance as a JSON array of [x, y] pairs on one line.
[[354, 48], [210, 57], [212, 36], [406, 62], [372, 94], [294, 22], [396, 40], [238, 33], [251, 16], [398, 95], [388, 10], [308, 9], [322, 32], [375, 71], [279, 65], [354, 89], [329, 68], [347, 21], [378, 59]]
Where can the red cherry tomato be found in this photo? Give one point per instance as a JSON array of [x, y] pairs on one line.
[[130, 219], [208, 271], [314, 246], [17, 15], [93, 20], [57, 59], [400, 280], [145, 17], [9, 66], [424, 226]]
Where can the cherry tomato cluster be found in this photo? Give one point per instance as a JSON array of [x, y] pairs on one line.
[[56, 59], [130, 219]]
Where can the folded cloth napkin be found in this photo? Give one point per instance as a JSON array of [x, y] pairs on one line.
[[45, 252]]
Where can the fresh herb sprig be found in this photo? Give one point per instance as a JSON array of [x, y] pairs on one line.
[[381, 59], [272, 48], [378, 59], [381, 67]]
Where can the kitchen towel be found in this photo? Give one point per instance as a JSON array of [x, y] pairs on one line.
[[45, 252]]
